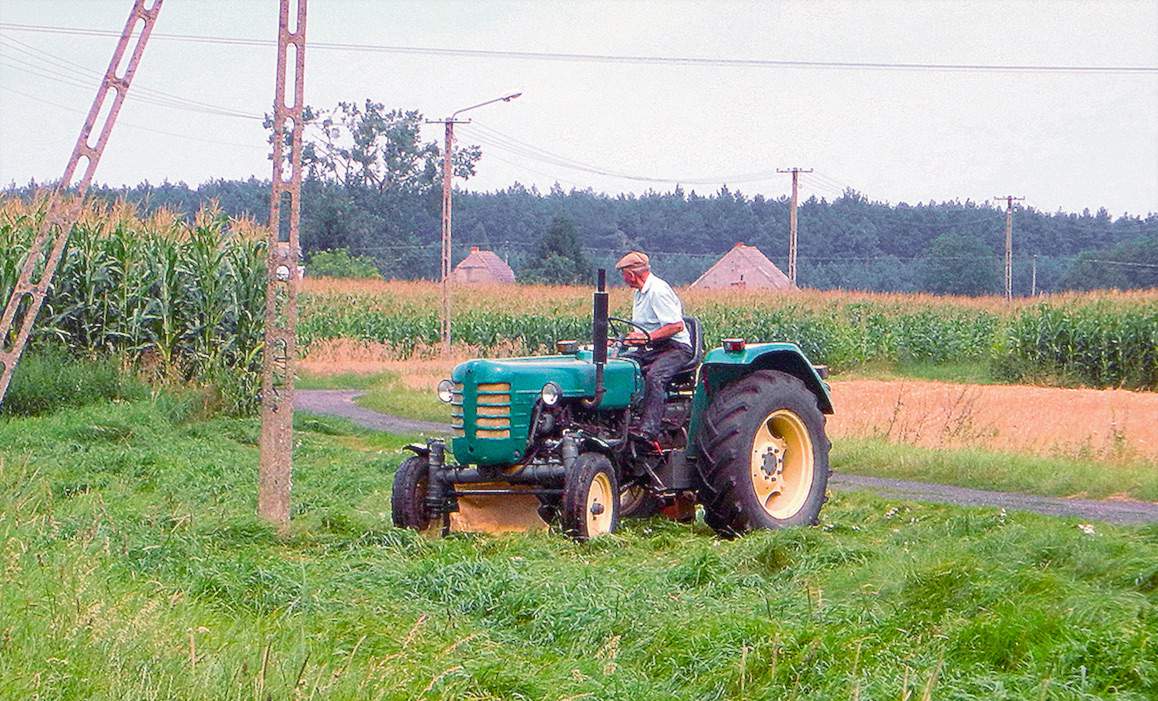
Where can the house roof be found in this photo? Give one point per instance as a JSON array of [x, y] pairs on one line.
[[483, 266], [743, 266]]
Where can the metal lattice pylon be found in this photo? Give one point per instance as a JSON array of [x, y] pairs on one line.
[[47, 247], [281, 293]]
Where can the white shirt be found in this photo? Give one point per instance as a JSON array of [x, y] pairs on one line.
[[656, 305]]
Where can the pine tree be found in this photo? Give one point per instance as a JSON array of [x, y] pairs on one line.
[[558, 259]]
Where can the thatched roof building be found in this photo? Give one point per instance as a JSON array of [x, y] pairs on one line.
[[482, 267], [743, 267]]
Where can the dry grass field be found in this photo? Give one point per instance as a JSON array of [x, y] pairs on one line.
[[1098, 424]]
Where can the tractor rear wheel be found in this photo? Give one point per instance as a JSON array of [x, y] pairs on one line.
[[408, 498], [590, 498], [764, 455]]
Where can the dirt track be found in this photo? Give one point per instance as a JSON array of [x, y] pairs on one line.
[[341, 403]]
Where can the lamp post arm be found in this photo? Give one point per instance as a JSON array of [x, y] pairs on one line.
[[505, 98]]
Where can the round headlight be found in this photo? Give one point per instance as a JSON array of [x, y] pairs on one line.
[[551, 394], [446, 391]]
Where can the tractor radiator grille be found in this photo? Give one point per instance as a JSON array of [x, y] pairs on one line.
[[494, 410], [456, 411]]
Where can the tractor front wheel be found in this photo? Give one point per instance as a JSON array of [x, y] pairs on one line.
[[408, 499], [764, 455], [590, 498]]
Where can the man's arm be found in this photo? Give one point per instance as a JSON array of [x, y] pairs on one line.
[[663, 332]]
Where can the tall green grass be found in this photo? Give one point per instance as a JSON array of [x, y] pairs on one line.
[[134, 568], [51, 378]]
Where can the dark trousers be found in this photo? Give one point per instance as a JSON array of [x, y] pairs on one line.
[[659, 365]]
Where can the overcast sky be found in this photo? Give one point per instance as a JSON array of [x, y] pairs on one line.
[[1064, 140]]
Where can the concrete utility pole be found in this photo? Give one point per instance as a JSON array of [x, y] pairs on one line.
[[792, 220], [275, 466], [45, 251], [1009, 200], [1033, 278], [447, 188]]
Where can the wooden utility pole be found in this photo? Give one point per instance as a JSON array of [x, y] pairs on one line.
[[792, 220], [45, 251], [447, 189], [446, 261], [275, 468], [1009, 200]]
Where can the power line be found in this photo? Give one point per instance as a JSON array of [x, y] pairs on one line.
[[496, 139], [134, 126], [65, 71], [619, 58], [1122, 262]]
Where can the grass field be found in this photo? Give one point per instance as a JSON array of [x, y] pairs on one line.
[[134, 568]]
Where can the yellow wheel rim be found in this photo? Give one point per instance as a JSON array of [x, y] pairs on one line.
[[600, 502], [782, 464]]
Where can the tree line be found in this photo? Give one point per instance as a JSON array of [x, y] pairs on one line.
[[372, 190]]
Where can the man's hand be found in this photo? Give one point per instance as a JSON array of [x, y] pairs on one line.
[[635, 338]]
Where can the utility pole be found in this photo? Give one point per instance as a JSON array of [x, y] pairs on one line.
[[275, 462], [445, 266], [1009, 200], [447, 188], [47, 247], [792, 220]]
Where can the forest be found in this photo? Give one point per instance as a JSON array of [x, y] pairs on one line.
[[372, 189]]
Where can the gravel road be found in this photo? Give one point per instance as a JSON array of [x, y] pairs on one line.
[[341, 403]]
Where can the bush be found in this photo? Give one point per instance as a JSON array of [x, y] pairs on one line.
[[339, 263], [49, 379]]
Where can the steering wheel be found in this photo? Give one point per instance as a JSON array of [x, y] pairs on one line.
[[621, 340]]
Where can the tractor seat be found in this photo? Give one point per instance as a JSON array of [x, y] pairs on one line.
[[686, 377]]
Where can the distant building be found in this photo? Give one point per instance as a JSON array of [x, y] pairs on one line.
[[481, 268], [743, 267]]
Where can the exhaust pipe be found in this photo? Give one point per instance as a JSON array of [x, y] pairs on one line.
[[599, 337]]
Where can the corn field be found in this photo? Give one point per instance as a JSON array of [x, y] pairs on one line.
[[1103, 340], [177, 300], [185, 300]]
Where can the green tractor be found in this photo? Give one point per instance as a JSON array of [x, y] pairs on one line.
[[743, 436]]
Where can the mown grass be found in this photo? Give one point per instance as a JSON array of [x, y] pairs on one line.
[[134, 568]]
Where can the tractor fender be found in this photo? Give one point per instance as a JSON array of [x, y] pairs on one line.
[[720, 368], [422, 451], [598, 445]]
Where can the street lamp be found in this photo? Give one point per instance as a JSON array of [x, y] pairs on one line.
[[447, 174]]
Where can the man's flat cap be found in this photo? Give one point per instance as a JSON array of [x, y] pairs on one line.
[[635, 259]]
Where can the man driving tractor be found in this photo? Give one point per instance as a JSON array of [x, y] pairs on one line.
[[656, 308]]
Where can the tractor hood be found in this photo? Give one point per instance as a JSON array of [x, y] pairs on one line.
[[494, 400]]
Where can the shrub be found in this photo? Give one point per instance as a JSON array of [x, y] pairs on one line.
[[339, 263]]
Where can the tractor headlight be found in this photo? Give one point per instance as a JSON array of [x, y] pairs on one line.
[[445, 391], [551, 394]]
